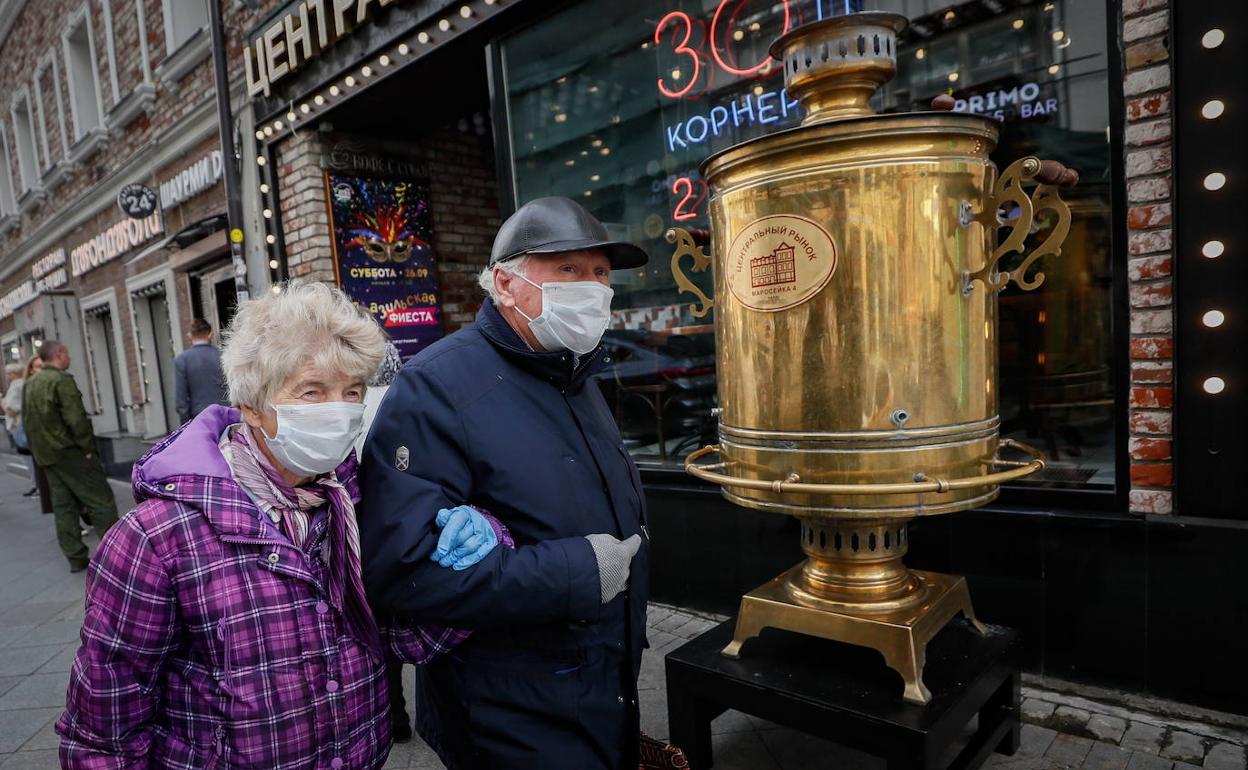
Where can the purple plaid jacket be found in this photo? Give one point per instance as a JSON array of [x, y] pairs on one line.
[[209, 641]]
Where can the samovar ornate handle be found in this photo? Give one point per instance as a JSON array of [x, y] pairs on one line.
[[687, 245], [1009, 189]]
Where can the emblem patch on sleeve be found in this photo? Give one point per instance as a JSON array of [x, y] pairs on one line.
[[402, 458]]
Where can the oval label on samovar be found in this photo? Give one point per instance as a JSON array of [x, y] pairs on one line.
[[779, 261]]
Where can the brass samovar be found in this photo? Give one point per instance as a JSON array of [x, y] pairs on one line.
[[856, 277]]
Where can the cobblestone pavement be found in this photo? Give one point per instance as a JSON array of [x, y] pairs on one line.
[[41, 611]]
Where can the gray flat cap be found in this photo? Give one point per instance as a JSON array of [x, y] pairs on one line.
[[555, 224]]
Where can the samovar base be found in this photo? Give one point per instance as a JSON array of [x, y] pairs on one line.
[[900, 636]]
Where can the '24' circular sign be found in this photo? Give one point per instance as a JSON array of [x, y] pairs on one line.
[[137, 201]]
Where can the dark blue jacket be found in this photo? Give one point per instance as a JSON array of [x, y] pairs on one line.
[[198, 381], [549, 678]]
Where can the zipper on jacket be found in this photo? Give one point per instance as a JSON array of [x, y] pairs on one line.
[[218, 746]]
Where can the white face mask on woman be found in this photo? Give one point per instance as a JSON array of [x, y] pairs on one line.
[[315, 438], [574, 314]]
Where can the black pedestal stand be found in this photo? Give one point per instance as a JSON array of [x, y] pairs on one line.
[[846, 694]]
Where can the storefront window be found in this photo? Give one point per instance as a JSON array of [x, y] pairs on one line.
[[621, 119]]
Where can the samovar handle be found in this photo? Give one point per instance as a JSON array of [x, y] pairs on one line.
[[1009, 189], [687, 243]]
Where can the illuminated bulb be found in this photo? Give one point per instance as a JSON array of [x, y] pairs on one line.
[[333, 91], [268, 213], [1065, 43], [1053, 68], [605, 151], [349, 81], [444, 25], [1058, 34], [616, 118], [676, 74], [570, 162], [594, 178], [1213, 319], [1213, 249], [366, 71], [1214, 385], [403, 49], [1215, 181], [277, 125], [291, 116], [738, 35], [1018, 24], [319, 100], [271, 239], [562, 80], [490, 2], [584, 152], [755, 27], [422, 38], [304, 108], [953, 77], [1048, 6], [1212, 109], [465, 12], [260, 160], [596, 143], [588, 193], [259, 134], [561, 117], [950, 16], [644, 46], [919, 54], [593, 89], [1213, 38], [383, 60], [272, 262], [758, 90], [268, 130], [264, 188]]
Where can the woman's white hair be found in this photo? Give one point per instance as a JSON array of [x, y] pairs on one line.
[[274, 336], [516, 266]]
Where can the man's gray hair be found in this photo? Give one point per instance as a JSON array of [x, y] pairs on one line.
[[51, 349], [272, 337], [516, 266]]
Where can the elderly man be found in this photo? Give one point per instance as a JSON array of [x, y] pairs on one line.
[[63, 444], [504, 415]]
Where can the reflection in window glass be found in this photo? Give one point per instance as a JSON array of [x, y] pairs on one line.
[[620, 121]]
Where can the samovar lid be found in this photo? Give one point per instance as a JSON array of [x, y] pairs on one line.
[[834, 66]]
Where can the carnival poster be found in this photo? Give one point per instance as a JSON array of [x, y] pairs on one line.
[[383, 254]]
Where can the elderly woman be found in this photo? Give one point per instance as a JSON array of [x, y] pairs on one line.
[[226, 623]]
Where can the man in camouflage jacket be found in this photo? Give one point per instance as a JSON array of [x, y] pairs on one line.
[[63, 444]]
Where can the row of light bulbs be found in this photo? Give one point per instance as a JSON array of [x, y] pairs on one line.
[[1213, 181], [335, 90]]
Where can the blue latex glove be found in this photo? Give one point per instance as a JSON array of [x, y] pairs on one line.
[[466, 538]]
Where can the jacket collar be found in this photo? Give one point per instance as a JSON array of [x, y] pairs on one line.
[[559, 368]]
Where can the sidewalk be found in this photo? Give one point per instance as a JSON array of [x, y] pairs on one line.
[[41, 611]]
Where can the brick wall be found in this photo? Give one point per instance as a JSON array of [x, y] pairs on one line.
[[463, 201], [1149, 174]]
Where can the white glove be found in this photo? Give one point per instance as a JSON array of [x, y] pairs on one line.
[[614, 557]]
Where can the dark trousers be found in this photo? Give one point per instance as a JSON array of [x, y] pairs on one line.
[[394, 682], [79, 486]]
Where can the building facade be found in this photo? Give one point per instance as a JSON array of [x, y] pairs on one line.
[[109, 104]]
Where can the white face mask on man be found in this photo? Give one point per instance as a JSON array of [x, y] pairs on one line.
[[574, 314], [315, 438]]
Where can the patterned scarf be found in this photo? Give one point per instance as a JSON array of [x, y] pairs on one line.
[[292, 508]]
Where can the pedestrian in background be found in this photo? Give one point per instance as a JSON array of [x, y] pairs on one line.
[[18, 376], [63, 444], [197, 377]]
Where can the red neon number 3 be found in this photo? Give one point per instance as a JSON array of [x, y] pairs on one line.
[[680, 214], [683, 48], [719, 59]]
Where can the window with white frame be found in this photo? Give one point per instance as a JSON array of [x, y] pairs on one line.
[[8, 201], [84, 87], [24, 139], [183, 18]]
